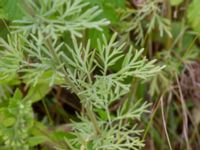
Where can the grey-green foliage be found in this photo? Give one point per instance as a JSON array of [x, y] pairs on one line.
[[36, 53], [98, 90], [54, 17], [145, 20], [107, 87], [10, 58], [115, 135], [174, 59]]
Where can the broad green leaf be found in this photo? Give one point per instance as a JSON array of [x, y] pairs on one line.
[[118, 3], [175, 2], [37, 92], [10, 80], [5, 148], [60, 135], [102, 114], [9, 121], [109, 8], [109, 12], [2, 14], [47, 77], [94, 34], [17, 95], [39, 129], [36, 140], [11, 9], [193, 14]]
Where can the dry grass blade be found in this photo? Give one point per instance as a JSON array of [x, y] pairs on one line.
[[185, 118], [164, 123]]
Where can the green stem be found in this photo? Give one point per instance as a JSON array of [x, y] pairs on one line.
[[151, 119], [90, 114], [108, 114], [92, 117], [47, 111], [168, 16]]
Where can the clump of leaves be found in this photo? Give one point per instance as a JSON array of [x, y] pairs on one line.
[[16, 121], [144, 20], [36, 55]]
